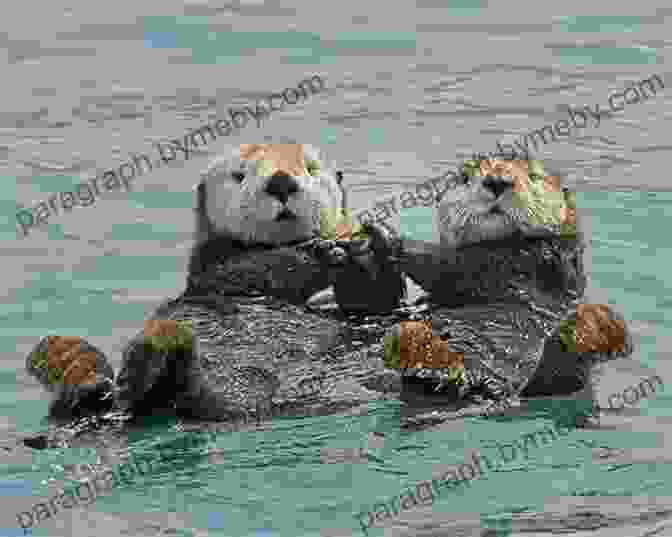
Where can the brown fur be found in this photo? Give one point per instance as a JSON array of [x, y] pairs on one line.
[[287, 158], [161, 328], [598, 331], [419, 348], [64, 352]]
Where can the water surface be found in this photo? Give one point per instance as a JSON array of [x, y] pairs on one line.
[[412, 89]]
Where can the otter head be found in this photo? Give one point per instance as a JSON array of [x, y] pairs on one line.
[[502, 198], [510, 228], [267, 194]]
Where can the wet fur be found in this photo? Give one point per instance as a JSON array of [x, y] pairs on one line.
[[236, 231], [241, 215], [491, 258], [221, 235], [481, 208]]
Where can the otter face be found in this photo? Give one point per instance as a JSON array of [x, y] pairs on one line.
[[500, 198], [268, 193]]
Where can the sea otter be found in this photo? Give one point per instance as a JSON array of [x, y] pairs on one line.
[[506, 281], [256, 347]]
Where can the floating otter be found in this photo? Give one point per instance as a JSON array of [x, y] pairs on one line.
[[505, 284], [256, 350]]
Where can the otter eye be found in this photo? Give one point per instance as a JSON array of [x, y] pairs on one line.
[[238, 176], [312, 167], [535, 170]]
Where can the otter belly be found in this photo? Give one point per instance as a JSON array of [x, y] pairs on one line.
[[255, 358], [272, 357]]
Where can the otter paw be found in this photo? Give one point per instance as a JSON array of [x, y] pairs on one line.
[[78, 401], [148, 378], [68, 360], [596, 329], [77, 373], [371, 281], [426, 361]]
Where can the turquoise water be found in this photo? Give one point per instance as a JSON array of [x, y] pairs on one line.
[[208, 46], [409, 87], [259, 474], [626, 225]]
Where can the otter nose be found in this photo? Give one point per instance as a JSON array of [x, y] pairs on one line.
[[281, 186], [496, 185]]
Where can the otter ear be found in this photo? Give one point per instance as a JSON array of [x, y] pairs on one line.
[[344, 194], [200, 197], [203, 224]]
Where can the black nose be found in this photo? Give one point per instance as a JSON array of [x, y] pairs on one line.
[[496, 185], [281, 186]]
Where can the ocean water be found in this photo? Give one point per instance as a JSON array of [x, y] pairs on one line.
[[411, 90]]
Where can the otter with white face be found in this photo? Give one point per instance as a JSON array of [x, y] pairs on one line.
[[267, 194], [255, 348], [506, 277], [504, 198], [270, 196], [259, 196]]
